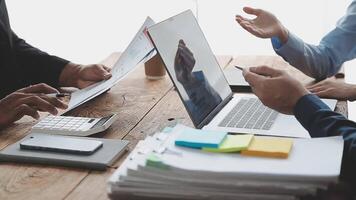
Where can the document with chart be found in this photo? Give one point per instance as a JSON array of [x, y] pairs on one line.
[[139, 50]]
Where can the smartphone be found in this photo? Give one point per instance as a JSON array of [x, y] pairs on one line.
[[61, 144]]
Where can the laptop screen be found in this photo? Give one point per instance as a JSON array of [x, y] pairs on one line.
[[191, 64]]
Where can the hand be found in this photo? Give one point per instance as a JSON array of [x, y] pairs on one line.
[[28, 101], [265, 25], [275, 88], [184, 63], [82, 76], [334, 89]]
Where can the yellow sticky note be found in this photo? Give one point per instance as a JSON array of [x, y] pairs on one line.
[[232, 143], [269, 147]]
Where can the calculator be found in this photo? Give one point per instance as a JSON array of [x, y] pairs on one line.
[[76, 126]]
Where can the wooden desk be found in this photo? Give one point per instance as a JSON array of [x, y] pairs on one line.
[[144, 107]]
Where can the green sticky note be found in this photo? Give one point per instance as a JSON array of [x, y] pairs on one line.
[[154, 161], [232, 143]]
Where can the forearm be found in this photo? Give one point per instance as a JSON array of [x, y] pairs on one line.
[[315, 61], [40, 66], [320, 121], [69, 75]]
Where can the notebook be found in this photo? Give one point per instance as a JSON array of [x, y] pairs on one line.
[[100, 160]]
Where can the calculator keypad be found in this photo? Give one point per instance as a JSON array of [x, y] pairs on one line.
[[64, 123]]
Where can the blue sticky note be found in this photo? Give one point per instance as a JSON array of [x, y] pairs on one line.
[[195, 138]]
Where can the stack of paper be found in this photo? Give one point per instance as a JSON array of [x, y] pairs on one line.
[[159, 169]]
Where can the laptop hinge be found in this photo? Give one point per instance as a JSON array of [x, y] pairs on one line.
[[216, 110]]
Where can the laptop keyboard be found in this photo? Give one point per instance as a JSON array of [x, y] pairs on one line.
[[250, 113]]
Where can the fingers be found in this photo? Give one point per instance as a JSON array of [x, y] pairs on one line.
[[317, 89], [252, 11], [266, 71], [42, 103], [181, 42], [185, 57], [249, 26], [326, 83], [37, 103], [21, 98], [96, 72], [323, 93], [103, 72], [315, 85], [17, 99], [252, 78], [23, 109], [39, 88], [185, 49], [54, 101], [240, 19], [106, 68]]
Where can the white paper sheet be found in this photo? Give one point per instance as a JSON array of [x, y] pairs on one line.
[[139, 50]]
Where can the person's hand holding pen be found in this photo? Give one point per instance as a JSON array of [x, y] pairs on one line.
[[30, 101], [275, 88], [58, 95]]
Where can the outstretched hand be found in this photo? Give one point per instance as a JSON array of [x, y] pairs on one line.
[[265, 25]]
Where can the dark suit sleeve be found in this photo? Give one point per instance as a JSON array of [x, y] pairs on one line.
[[320, 121], [38, 66]]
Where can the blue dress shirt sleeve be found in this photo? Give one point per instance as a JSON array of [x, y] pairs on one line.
[[320, 121], [323, 60]]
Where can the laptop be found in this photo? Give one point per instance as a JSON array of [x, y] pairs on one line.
[[204, 90]]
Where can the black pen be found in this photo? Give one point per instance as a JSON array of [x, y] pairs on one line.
[[58, 95], [240, 68]]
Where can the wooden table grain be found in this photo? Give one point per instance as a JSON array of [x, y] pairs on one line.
[[143, 107]]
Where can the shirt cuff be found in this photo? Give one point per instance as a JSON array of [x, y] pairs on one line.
[[306, 108], [291, 48], [276, 43]]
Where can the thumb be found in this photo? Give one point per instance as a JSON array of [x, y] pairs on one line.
[[105, 71], [252, 78], [101, 73], [252, 11], [266, 71]]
